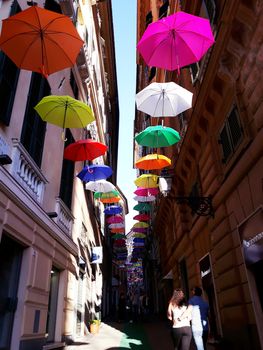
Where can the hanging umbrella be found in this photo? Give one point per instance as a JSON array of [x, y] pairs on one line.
[[110, 200], [117, 230], [94, 172], [100, 186], [139, 235], [153, 161], [139, 229], [146, 191], [147, 181], [115, 219], [143, 207], [144, 198], [164, 100], [176, 41], [141, 225], [98, 195], [64, 111], [141, 217], [113, 209], [119, 225], [84, 150], [40, 40], [158, 136], [118, 236]]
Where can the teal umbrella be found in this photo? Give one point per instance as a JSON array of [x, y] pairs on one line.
[[158, 136], [142, 207]]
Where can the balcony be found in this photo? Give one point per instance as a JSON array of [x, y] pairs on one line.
[[27, 173], [65, 218]]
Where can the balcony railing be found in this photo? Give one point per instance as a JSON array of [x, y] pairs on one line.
[[27, 173], [65, 217]]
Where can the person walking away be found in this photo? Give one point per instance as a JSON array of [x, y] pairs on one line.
[[199, 318], [180, 314]]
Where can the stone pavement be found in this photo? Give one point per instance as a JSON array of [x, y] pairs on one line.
[[151, 335]]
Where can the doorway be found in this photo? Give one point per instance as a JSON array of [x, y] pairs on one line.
[[10, 262], [52, 305]]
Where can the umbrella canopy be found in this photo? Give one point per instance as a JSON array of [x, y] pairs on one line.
[[40, 40], [84, 150], [94, 172], [139, 235], [146, 181], [144, 198], [118, 236], [143, 207], [111, 194], [141, 225], [142, 217], [139, 229], [164, 100], [113, 209], [100, 186], [153, 161], [110, 200], [158, 136], [119, 225], [146, 191], [114, 219], [64, 111], [117, 230], [176, 41]]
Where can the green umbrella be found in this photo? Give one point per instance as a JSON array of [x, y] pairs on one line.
[[102, 195], [158, 136], [142, 207], [118, 236]]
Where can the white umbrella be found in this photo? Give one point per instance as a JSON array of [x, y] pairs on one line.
[[100, 186], [163, 99], [120, 225], [144, 198]]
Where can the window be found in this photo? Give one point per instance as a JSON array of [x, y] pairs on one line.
[[73, 84], [9, 74], [210, 9], [53, 5], [67, 175], [152, 74], [194, 70], [231, 135], [163, 9], [149, 18], [34, 128]]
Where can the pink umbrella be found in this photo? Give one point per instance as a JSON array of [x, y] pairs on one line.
[[115, 219], [146, 191], [142, 217], [139, 229], [176, 41]]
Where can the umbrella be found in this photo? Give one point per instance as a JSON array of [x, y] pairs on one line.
[[141, 225], [64, 111], [114, 219], [139, 235], [111, 194], [143, 207], [141, 217], [144, 198], [40, 40], [117, 230], [153, 161], [119, 225], [100, 186], [110, 200], [84, 150], [113, 209], [118, 236], [146, 191], [139, 229], [164, 100], [147, 181], [94, 172], [158, 136], [176, 41]]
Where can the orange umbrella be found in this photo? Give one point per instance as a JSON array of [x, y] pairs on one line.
[[153, 161], [110, 200], [117, 230], [40, 40]]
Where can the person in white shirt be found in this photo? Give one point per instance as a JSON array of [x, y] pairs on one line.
[[180, 314]]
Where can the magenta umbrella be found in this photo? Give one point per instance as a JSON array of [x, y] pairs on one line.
[[176, 41], [116, 219], [146, 191], [139, 229], [142, 217]]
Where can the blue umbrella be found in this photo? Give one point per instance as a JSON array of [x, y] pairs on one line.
[[113, 209], [95, 172]]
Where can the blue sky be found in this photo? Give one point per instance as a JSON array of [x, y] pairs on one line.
[[124, 21]]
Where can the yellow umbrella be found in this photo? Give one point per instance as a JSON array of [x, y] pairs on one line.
[[139, 235], [153, 161], [64, 111], [141, 225], [147, 181]]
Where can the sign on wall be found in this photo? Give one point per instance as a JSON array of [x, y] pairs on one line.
[[96, 256]]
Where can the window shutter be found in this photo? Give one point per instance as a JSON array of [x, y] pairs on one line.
[[235, 129], [226, 145]]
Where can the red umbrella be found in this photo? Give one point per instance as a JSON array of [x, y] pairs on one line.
[[115, 219], [146, 191], [84, 150], [40, 40], [142, 217]]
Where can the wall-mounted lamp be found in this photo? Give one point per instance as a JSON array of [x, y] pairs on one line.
[[52, 214], [5, 159], [201, 206]]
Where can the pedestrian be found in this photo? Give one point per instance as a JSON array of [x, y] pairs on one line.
[[122, 307], [180, 315], [199, 318]]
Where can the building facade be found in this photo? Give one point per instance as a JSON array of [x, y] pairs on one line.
[[49, 225], [220, 155]]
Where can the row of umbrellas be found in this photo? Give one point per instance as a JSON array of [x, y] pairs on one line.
[[170, 43]]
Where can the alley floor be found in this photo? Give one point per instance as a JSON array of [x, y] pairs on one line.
[[151, 335]]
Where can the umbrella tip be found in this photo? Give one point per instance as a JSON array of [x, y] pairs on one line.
[[63, 136]]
